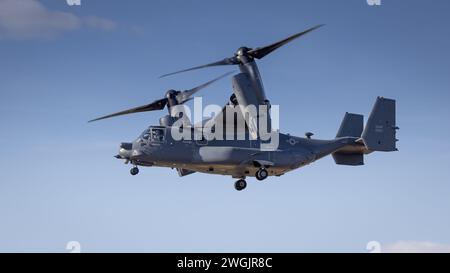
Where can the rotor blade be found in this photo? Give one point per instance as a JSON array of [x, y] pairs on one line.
[[260, 52], [226, 61], [185, 95], [156, 105]]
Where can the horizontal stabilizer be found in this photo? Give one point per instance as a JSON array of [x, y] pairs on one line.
[[348, 159]]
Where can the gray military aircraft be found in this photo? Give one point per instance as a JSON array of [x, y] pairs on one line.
[[244, 157]]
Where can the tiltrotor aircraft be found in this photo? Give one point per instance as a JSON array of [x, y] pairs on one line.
[[244, 157]]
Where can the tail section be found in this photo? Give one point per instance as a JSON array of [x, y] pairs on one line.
[[380, 130], [378, 134]]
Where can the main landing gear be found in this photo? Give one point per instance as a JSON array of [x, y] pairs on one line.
[[134, 170], [261, 174], [240, 185]]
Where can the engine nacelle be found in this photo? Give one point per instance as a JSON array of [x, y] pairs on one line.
[[166, 121]]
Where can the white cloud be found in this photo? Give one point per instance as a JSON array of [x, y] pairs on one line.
[[30, 19], [416, 247], [99, 23]]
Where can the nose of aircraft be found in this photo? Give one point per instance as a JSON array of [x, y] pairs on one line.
[[125, 150]]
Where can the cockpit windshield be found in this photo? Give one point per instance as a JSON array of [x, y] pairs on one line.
[[153, 134], [145, 135]]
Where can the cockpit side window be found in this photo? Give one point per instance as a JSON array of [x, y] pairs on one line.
[[157, 135]]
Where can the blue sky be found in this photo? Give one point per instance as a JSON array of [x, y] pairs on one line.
[[61, 66]]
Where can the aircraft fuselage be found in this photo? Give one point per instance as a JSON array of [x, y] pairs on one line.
[[238, 158]]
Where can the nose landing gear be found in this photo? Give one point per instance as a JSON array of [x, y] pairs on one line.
[[240, 185], [134, 170]]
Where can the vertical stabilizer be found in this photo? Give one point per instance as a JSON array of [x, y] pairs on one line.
[[380, 130], [352, 125]]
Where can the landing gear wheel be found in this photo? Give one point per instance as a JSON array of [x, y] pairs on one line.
[[240, 185], [134, 171], [262, 174]]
